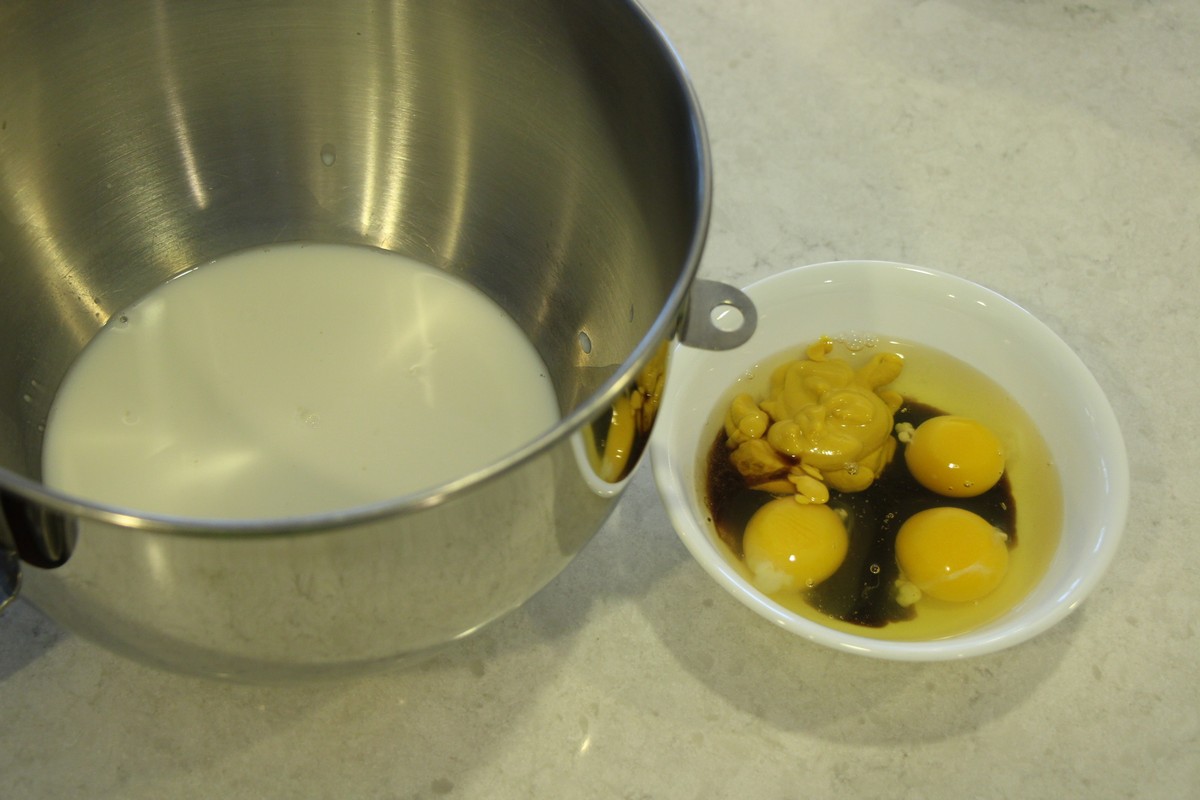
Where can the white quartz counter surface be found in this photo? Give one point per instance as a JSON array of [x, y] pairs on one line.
[[1048, 150]]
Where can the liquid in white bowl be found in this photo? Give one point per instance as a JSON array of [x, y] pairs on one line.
[[294, 380]]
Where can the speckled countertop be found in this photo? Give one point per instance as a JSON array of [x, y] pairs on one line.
[[1049, 150]]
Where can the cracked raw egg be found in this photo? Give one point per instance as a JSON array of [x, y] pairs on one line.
[[952, 554], [955, 456], [790, 545]]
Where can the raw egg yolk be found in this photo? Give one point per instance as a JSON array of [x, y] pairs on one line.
[[955, 456], [951, 554], [790, 546]]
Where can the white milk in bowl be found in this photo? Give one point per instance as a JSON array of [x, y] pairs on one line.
[[293, 380]]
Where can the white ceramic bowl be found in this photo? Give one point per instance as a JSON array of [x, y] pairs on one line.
[[957, 317]]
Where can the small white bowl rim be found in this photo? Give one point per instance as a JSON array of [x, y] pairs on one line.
[[991, 638]]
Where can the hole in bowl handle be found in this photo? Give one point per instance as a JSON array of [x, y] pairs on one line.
[[718, 317]]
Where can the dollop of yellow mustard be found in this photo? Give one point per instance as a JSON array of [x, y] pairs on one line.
[[824, 424]]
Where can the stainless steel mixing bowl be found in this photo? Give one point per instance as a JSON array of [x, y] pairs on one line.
[[551, 152]]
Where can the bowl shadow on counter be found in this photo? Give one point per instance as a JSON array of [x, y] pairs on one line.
[[795, 685], [429, 711], [173, 725], [26, 635], [787, 682]]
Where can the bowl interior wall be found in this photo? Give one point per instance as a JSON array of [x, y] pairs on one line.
[[542, 150]]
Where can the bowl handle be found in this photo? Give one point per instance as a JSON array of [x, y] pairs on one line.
[[10, 577], [10, 568], [31, 533], [718, 317]]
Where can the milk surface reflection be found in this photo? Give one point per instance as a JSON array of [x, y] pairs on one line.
[[294, 380]]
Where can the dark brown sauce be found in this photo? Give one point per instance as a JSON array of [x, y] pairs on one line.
[[860, 591]]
